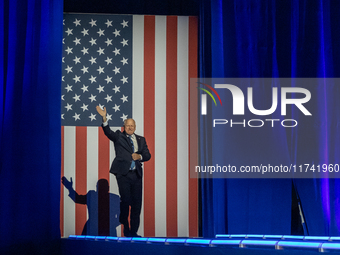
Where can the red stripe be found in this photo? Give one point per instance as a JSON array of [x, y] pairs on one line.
[[171, 126], [81, 168], [61, 185], [193, 130], [149, 124]]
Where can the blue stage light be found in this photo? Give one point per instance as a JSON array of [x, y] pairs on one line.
[[292, 237], [222, 236], [225, 242], [156, 240], [124, 239], [330, 246], [198, 241], [238, 236], [139, 239], [175, 240], [254, 236], [273, 236], [90, 237], [258, 243], [323, 238], [291, 244], [112, 238]]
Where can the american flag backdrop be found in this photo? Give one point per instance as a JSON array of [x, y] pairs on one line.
[[137, 67]]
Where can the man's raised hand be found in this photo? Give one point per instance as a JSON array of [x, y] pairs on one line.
[[102, 112]]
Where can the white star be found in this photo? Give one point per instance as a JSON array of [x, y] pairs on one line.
[[68, 107], [108, 42], [85, 32], [92, 98], [62, 97], [101, 106], [64, 22], [69, 50], [93, 79], [93, 23], [84, 88], [108, 60], [100, 51], [69, 69], [116, 32], [62, 116], [125, 23], [93, 41], [101, 70], [101, 89], [93, 60], [93, 116], [68, 88], [63, 59], [63, 40], [116, 51], [77, 22], [108, 23], [124, 42], [76, 97], [109, 117], [76, 60], [116, 89], [108, 79], [124, 79], [77, 41], [84, 107], [76, 116], [85, 51], [116, 108], [84, 69], [100, 32], [124, 98], [124, 117], [124, 61], [108, 98], [116, 70], [69, 32], [77, 79], [62, 78]]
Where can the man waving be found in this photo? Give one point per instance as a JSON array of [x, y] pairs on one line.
[[131, 150]]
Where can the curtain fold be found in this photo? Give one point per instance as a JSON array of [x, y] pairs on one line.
[[271, 39], [31, 50]]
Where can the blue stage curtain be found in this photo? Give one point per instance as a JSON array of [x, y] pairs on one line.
[[30, 74], [245, 38]]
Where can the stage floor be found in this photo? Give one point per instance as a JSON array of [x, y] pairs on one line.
[[222, 244]]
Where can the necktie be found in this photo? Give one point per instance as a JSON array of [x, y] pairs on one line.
[[133, 163]]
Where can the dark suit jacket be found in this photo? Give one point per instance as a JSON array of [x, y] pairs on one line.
[[122, 162]]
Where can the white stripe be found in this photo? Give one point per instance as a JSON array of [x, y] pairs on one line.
[[182, 127], [92, 170], [138, 73], [138, 87], [69, 172], [92, 158], [160, 126]]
